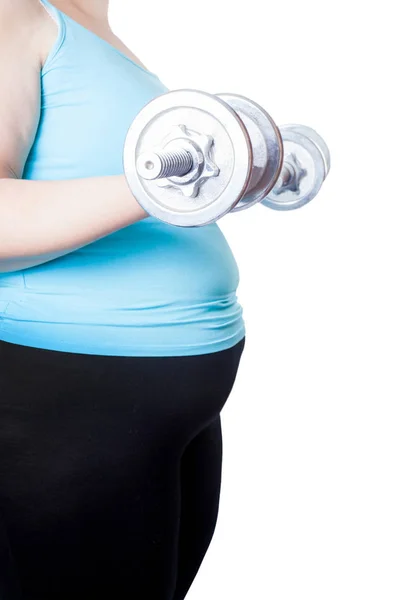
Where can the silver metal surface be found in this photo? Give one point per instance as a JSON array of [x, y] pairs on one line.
[[291, 175], [199, 146], [316, 138], [267, 148], [164, 163], [309, 165], [231, 153], [285, 176]]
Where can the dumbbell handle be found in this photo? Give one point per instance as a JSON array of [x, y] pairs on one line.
[[177, 163], [164, 163]]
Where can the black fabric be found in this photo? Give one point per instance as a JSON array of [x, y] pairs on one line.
[[110, 471]]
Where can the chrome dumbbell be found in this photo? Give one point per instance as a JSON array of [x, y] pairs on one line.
[[191, 157]]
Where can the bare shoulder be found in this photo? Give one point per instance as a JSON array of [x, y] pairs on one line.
[[26, 25]]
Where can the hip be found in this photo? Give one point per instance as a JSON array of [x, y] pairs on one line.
[[55, 389]]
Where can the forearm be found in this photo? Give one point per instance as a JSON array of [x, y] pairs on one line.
[[42, 220]]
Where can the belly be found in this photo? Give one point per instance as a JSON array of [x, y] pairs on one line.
[[146, 263], [148, 289]]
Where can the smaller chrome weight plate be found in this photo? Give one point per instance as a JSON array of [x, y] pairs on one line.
[[199, 113], [318, 141], [311, 159], [267, 147]]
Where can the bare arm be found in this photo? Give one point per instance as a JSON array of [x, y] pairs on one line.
[[42, 220]]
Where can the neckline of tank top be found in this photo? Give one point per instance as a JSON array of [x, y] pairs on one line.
[[108, 44]]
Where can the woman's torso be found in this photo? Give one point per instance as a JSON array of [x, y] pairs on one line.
[[150, 289]]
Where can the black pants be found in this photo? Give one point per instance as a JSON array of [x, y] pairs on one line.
[[110, 471]]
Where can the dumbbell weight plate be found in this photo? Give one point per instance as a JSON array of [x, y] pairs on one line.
[[231, 152], [311, 159], [318, 141], [267, 148]]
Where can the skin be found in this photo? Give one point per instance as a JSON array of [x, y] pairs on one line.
[[43, 220], [93, 14]]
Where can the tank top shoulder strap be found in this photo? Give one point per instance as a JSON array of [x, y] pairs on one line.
[[58, 17], [56, 14]]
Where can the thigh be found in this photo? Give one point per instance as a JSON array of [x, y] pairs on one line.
[[90, 465], [201, 468], [9, 583], [89, 498]]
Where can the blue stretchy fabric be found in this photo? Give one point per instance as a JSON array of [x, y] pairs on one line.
[[150, 289]]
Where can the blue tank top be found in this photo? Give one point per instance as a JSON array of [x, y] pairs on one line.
[[149, 289]]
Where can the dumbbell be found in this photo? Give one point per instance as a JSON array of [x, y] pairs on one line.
[[191, 157]]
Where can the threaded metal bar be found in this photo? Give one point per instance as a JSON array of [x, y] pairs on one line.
[[158, 165]]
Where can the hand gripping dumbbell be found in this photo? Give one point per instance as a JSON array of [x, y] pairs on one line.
[[191, 157]]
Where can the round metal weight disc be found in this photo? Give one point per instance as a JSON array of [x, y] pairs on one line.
[[317, 139], [311, 159], [231, 152], [267, 147]]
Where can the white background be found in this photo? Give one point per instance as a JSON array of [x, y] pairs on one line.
[[310, 502]]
